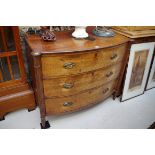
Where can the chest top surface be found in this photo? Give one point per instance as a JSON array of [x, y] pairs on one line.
[[65, 43]]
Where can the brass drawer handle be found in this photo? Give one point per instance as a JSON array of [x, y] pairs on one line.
[[114, 56], [69, 65], [106, 90], [66, 104], [68, 85], [109, 74]]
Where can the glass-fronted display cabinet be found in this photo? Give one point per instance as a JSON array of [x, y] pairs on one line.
[[13, 82], [11, 63]]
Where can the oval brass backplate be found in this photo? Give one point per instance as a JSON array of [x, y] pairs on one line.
[[114, 56], [69, 65], [106, 90], [68, 85], [109, 74], [67, 104]]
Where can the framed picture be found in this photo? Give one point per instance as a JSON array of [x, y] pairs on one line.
[[151, 80], [137, 70]]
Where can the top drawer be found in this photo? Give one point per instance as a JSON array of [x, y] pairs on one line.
[[75, 63]]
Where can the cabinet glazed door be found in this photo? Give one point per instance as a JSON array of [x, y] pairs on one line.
[[11, 64]]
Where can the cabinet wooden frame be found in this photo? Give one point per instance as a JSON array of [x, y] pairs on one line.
[[15, 93]]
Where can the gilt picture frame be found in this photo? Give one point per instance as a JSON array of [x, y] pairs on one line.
[[137, 70], [151, 79]]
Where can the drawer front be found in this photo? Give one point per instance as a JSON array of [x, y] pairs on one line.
[[67, 64], [79, 101], [65, 86]]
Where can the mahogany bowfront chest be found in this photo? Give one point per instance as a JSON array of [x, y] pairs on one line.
[[70, 74]]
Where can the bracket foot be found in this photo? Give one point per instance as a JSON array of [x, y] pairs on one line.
[[47, 125], [29, 110], [2, 118]]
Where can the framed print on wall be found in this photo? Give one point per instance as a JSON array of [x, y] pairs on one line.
[[137, 70], [151, 80]]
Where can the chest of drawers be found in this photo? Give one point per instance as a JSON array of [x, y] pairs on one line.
[[69, 74]]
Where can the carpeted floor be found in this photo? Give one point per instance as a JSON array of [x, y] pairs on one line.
[[137, 113]]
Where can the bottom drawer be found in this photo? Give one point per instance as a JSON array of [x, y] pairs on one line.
[[79, 101]]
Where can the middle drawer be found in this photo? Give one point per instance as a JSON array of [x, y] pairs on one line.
[[70, 85]]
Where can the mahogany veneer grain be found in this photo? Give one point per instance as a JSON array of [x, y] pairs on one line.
[[69, 74]]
